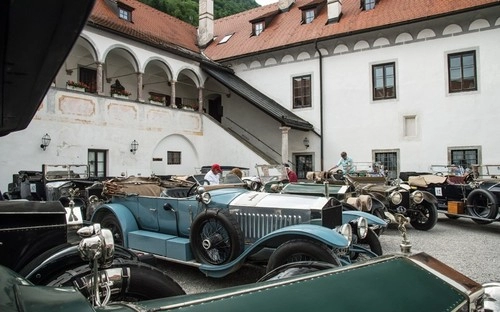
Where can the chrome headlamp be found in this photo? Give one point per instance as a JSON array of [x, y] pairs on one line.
[[206, 198], [396, 198], [362, 225], [417, 197], [346, 231]]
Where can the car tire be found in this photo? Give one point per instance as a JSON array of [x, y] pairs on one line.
[[379, 212], [483, 204], [216, 237], [301, 250], [110, 222], [426, 218], [139, 282]]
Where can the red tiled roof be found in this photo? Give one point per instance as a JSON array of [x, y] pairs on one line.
[[286, 28], [147, 24]]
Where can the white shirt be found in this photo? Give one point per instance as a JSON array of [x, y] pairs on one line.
[[212, 178]]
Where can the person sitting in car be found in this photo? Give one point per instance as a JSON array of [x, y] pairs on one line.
[[213, 175]]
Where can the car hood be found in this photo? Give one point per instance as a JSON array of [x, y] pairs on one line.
[[276, 200], [35, 39]]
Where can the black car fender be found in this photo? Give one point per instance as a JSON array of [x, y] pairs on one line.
[[59, 259], [429, 197]]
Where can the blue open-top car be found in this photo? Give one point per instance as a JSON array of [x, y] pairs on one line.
[[220, 227]]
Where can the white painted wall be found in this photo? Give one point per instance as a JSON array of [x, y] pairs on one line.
[[357, 124]]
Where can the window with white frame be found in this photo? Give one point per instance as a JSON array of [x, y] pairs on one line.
[[302, 91], [462, 72], [384, 81]]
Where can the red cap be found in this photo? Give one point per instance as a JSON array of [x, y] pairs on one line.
[[216, 167]]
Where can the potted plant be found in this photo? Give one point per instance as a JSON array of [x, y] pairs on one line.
[[76, 85], [155, 99], [124, 94]]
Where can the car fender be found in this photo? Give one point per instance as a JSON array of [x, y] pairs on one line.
[[60, 259], [429, 197], [123, 215], [349, 215], [272, 240]]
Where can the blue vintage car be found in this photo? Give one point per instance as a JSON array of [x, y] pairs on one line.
[[219, 227]]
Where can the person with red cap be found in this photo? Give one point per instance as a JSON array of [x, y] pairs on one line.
[[213, 175]]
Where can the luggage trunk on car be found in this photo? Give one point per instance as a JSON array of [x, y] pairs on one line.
[[29, 228]]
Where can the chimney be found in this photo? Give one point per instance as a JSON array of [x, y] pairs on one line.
[[334, 10], [206, 22], [284, 5]]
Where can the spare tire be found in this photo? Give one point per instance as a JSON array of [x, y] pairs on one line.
[[216, 237], [482, 203]]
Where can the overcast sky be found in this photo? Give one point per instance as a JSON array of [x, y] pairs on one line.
[[264, 2]]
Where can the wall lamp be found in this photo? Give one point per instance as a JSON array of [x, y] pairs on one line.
[[45, 141], [134, 146], [306, 142]]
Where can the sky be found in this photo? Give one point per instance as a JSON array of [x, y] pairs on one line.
[[265, 2]]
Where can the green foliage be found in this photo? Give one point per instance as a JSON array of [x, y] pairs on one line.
[[187, 10]]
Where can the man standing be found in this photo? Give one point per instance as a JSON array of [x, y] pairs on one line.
[[345, 164], [212, 176]]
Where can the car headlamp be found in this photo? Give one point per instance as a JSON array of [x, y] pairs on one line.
[[362, 225], [396, 198], [417, 197], [346, 231], [206, 198]]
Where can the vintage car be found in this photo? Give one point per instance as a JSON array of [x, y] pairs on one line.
[[419, 205], [474, 195], [217, 228], [273, 179], [54, 183], [36, 243], [320, 287]]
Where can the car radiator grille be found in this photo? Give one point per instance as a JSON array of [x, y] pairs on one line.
[[254, 225]]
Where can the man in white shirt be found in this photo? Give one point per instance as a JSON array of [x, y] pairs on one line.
[[213, 175]]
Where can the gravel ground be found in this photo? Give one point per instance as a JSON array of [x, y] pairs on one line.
[[469, 248]]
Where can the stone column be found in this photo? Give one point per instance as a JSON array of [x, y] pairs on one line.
[[284, 144], [99, 82], [172, 97], [139, 87], [200, 99]]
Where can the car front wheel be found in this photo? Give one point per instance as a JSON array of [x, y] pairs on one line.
[[129, 281], [426, 216], [301, 250]]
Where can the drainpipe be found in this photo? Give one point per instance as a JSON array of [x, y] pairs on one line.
[[322, 160]]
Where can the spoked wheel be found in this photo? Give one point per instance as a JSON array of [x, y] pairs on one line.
[[301, 250], [129, 281], [426, 216], [216, 237], [109, 221], [482, 204]]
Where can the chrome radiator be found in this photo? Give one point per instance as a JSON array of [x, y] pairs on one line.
[[256, 225]]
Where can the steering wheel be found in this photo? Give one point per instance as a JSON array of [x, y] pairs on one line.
[[469, 177], [194, 186]]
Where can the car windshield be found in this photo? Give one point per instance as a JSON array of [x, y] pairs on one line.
[[65, 172], [271, 173]]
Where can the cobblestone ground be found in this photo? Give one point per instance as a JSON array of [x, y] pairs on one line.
[[469, 248]]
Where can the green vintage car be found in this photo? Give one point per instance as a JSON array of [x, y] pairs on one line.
[[410, 283]]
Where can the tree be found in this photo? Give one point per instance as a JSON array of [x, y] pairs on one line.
[[187, 10]]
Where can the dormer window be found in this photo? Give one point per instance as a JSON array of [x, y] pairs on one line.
[[367, 5], [258, 28], [260, 23], [125, 11], [308, 16], [311, 10]]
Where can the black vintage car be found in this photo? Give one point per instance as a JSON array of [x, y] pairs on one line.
[[34, 242], [54, 182], [474, 195]]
